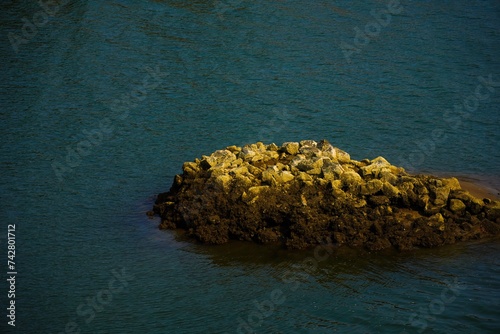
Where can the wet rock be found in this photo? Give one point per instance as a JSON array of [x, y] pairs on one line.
[[301, 193]]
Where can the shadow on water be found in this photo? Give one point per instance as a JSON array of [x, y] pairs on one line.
[[333, 261]]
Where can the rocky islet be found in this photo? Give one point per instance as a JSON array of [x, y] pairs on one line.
[[301, 194]]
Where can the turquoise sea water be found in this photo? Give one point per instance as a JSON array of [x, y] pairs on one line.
[[102, 102]]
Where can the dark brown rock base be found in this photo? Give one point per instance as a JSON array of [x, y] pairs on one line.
[[303, 194]]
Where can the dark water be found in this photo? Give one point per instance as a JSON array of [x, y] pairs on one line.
[[103, 102]]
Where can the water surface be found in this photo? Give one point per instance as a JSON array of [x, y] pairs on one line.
[[158, 83]]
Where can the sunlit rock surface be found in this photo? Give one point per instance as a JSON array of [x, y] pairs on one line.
[[307, 193]]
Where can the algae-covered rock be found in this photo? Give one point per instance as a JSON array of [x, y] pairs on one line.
[[300, 194]]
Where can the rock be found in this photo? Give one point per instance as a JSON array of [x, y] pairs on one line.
[[310, 143], [328, 151], [253, 194], [431, 209], [305, 178], [351, 180], [314, 171], [178, 180], [456, 205], [437, 220], [389, 190], [375, 167], [492, 210], [324, 145], [371, 187], [267, 236], [237, 162], [299, 159], [307, 164], [255, 191], [286, 176], [311, 151], [224, 181], [440, 195], [254, 170], [233, 148], [243, 181], [246, 153], [379, 200], [243, 170], [300, 193], [423, 202], [332, 172], [342, 156], [269, 177], [359, 203], [191, 169], [336, 184], [474, 205], [271, 155], [290, 148], [272, 147], [451, 183], [387, 176]]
